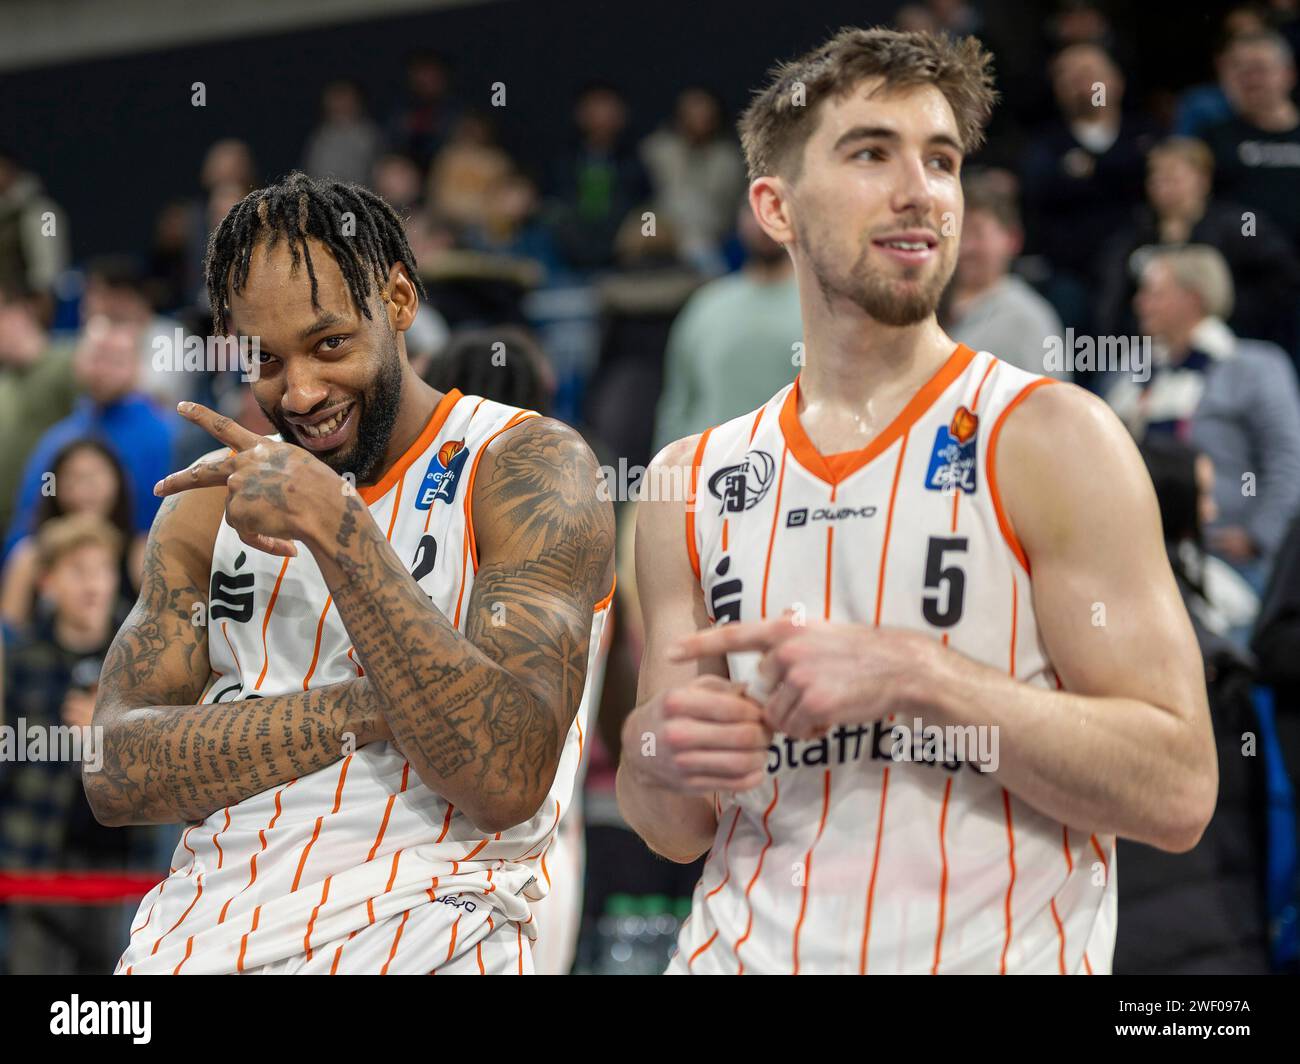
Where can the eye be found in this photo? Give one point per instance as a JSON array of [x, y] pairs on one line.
[[265, 358], [944, 163], [871, 153], [333, 343]]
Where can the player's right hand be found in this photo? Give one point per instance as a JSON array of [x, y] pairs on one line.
[[705, 736]]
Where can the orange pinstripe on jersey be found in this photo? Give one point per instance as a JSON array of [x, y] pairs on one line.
[[692, 551]]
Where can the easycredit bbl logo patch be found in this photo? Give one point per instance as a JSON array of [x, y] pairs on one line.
[[443, 476], [952, 462]]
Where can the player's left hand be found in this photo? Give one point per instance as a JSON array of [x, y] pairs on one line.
[[275, 490], [815, 676]]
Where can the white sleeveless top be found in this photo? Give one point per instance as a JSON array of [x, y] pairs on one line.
[[846, 859], [315, 859]]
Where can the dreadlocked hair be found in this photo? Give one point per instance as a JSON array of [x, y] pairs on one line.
[[294, 209]]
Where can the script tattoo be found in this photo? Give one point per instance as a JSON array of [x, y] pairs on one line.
[[166, 759], [490, 709]]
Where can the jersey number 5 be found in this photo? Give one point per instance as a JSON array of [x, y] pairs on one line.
[[938, 576]]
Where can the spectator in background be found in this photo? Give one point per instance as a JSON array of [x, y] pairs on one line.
[[1202, 911], [227, 166], [696, 174], [114, 411], [988, 308], [506, 365], [1082, 176], [1257, 150], [736, 342], [36, 389], [466, 173], [511, 225], [88, 479], [1179, 211], [638, 305], [116, 290], [346, 143], [596, 183], [1235, 400], [45, 822], [397, 180], [423, 121], [33, 234], [168, 281], [1203, 106]]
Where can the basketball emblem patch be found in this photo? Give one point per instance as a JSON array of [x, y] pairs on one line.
[[952, 462], [443, 476]]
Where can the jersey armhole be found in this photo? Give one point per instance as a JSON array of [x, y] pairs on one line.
[[692, 548], [990, 471]]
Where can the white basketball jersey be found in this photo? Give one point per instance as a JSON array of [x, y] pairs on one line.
[[313, 862], [858, 853]]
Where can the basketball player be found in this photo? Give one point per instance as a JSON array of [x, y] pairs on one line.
[[955, 665], [358, 661]]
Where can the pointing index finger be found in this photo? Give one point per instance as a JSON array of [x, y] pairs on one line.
[[225, 429], [732, 638]]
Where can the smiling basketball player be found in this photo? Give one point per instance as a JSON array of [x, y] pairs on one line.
[[912, 533], [375, 733]]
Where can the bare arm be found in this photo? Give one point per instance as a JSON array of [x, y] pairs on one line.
[[1126, 747], [483, 716], [664, 789], [166, 759]]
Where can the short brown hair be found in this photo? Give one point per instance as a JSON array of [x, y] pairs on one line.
[[993, 198], [1195, 153], [777, 124], [60, 536]]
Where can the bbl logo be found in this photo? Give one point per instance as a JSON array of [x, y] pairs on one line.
[[443, 475], [952, 462], [741, 487]]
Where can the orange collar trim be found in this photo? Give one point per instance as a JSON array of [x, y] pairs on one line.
[[375, 492], [833, 468]]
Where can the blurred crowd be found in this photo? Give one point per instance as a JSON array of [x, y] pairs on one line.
[[1144, 245]]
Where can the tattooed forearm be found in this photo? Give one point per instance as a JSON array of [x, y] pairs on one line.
[[483, 716], [166, 764], [166, 759]]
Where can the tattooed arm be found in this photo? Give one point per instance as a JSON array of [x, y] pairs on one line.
[[166, 759], [482, 717]]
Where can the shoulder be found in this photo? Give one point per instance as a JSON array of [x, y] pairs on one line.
[[538, 483], [1064, 465], [1046, 418], [538, 439]]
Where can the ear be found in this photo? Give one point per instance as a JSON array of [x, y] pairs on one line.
[[769, 200], [400, 298]]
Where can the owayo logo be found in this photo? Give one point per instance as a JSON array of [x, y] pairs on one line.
[[443, 475], [743, 486]]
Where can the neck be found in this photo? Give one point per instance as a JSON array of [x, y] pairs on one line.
[[417, 405], [80, 635], [851, 359]]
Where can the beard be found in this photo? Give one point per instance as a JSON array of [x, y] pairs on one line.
[[377, 414], [894, 301]]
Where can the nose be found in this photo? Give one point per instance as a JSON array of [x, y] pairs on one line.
[[303, 390], [912, 193]]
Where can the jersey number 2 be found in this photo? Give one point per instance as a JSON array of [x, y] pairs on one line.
[[937, 575]]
